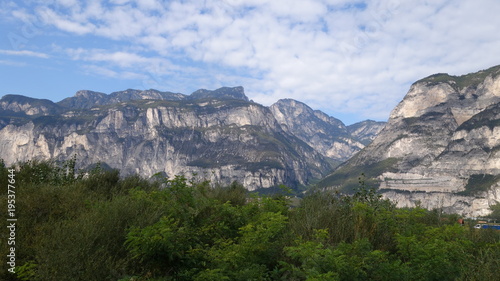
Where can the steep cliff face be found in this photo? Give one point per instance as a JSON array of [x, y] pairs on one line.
[[326, 134], [87, 99], [221, 93], [365, 131], [441, 138], [222, 139], [84, 99], [21, 105]]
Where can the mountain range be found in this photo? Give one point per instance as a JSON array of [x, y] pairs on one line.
[[439, 149], [219, 135]]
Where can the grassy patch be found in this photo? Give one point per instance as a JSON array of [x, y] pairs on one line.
[[463, 81], [347, 177]]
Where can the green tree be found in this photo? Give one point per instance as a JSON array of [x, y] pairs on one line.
[[440, 253]]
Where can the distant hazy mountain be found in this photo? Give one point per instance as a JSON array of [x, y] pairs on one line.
[[365, 131], [21, 105], [326, 134]]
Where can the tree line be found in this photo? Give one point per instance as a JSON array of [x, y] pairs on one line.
[[97, 225]]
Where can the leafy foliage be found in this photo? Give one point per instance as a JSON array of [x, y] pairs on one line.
[[96, 225], [345, 177]]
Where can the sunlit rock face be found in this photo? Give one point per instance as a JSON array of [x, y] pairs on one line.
[[365, 131], [326, 134], [443, 143], [217, 135]]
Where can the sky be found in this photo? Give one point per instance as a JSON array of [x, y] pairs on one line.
[[353, 60]]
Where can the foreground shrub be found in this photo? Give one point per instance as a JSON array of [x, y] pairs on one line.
[[96, 225]]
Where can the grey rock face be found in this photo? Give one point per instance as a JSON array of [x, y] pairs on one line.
[[443, 135], [325, 134], [222, 139], [84, 99], [365, 131], [221, 93], [21, 105], [219, 135], [87, 99]]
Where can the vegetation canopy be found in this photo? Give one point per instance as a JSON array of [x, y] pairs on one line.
[[96, 225]]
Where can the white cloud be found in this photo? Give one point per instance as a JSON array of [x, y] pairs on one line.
[[340, 55], [12, 63], [24, 53], [121, 61], [149, 4], [103, 71], [67, 3], [64, 23]]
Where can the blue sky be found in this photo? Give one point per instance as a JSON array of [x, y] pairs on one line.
[[354, 60]]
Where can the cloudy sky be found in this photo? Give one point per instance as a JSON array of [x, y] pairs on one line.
[[351, 59]]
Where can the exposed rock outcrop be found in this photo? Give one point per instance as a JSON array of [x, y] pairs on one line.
[[441, 138], [365, 131], [219, 135], [326, 134], [20, 105]]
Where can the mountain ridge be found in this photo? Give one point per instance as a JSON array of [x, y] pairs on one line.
[[85, 99], [219, 134], [327, 134], [443, 134]]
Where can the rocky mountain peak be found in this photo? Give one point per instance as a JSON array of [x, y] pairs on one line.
[[439, 141], [366, 131], [221, 93], [322, 132], [294, 108], [465, 95], [462, 82], [85, 99], [153, 94], [286, 110], [89, 94], [29, 106], [219, 134], [221, 139]]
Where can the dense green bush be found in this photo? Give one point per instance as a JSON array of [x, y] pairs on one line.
[[97, 225]]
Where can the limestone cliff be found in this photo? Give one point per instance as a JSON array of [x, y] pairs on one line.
[[440, 146], [20, 105], [85, 99], [324, 133], [365, 131], [218, 135]]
